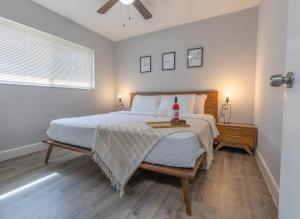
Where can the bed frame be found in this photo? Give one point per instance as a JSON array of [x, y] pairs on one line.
[[186, 175]]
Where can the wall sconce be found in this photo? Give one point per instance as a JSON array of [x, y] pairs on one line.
[[120, 105], [225, 114]]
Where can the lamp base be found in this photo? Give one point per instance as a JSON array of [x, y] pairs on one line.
[[120, 106], [225, 122], [225, 114]]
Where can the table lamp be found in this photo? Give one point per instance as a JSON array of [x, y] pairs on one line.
[[120, 105], [225, 114]]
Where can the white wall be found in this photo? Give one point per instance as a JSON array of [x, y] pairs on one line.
[[229, 43], [271, 51], [25, 111]]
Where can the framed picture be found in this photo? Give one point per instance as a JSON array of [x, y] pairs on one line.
[[168, 61], [145, 64], [195, 58]]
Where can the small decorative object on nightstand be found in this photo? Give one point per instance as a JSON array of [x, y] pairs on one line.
[[238, 136], [225, 114], [120, 105]]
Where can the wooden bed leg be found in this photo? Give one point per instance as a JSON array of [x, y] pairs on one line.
[[48, 153], [248, 150], [220, 145], [186, 195]]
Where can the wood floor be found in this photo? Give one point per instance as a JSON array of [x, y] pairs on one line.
[[72, 186]]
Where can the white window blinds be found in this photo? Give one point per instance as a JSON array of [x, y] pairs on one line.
[[31, 57]]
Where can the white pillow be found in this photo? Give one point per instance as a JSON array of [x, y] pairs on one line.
[[199, 103], [142, 103], [186, 104]]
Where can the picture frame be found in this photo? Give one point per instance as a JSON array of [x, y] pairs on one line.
[[195, 57], [145, 64], [168, 61]]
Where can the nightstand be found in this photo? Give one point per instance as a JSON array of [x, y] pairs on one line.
[[238, 136]]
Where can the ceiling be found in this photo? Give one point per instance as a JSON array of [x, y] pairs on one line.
[[115, 24]]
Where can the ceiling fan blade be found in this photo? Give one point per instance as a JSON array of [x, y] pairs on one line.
[[142, 9], [108, 5]]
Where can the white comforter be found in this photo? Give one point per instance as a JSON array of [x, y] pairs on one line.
[[170, 151]]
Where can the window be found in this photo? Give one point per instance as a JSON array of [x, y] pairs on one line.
[[31, 57]]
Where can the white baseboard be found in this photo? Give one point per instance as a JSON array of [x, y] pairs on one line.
[[269, 178], [21, 151]]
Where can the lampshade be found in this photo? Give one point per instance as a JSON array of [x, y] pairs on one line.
[[126, 2]]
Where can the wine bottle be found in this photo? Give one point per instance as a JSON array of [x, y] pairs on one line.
[[175, 107]]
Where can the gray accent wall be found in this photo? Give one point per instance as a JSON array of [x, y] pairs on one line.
[[229, 43], [25, 111]]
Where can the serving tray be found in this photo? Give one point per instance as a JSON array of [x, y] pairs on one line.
[[160, 125]]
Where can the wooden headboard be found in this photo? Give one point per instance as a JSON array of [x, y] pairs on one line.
[[211, 104]]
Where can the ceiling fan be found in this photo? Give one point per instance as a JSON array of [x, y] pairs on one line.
[[137, 4]]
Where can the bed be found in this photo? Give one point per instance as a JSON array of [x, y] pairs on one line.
[[167, 157]]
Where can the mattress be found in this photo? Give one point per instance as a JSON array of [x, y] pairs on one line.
[[180, 149]]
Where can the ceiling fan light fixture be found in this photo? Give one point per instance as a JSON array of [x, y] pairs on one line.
[[127, 2]]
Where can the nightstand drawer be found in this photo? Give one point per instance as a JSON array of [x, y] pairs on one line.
[[234, 139], [237, 131], [237, 135]]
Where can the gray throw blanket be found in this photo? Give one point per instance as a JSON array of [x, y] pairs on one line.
[[119, 149]]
